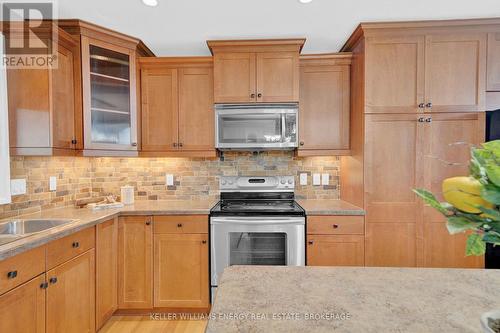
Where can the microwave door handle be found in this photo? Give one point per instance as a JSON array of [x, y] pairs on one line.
[[283, 127]]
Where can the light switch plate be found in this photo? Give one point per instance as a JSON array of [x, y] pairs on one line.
[[18, 186], [316, 179], [303, 179], [52, 183], [325, 179], [169, 179]]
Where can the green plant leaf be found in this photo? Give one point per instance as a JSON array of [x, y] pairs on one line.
[[493, 172], [430, 199], [457, 224], [493, 214], [492, 237], [491, 193], [475, 245], [493, 146]]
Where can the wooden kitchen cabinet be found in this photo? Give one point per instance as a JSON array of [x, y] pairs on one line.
[[390, 244], [71, 295], [493, 64], [256, 71], [45, 105], [106, 271], [23, 308], [177, 107], [324, 104], [135, 262], [181, 270], [335, 250]]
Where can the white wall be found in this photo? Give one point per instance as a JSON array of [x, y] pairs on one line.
[[4, 136], [181, 27]]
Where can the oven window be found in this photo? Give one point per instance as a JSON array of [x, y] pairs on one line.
[[257, 248]]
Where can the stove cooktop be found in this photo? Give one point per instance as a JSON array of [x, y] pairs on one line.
[[257, 207]]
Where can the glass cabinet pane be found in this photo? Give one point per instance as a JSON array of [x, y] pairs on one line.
[[251, 128], [257, 248], [110, 96]]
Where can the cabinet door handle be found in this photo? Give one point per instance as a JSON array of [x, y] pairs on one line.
[[259, 95], [421, 119], [203, 242], [421, 105], [12, 275], [301, 143], [74, 142], [44, 285], [428, 105], [174, 144], [134, 144], [335, 226], [53, 280], [252, 95], [179, 225], [75, 245], [428, 120], [148, 222], [180, 144], [310, 242]]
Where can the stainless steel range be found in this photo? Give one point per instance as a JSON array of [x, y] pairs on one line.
[[256, 222]]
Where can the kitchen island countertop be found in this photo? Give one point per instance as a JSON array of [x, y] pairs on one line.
[[343, 299]]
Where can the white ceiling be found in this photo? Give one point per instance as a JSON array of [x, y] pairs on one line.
[[181, 27]]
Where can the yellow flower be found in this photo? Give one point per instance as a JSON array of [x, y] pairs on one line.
[[464, 193]]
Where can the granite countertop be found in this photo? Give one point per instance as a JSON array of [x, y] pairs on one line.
[[329, 207], [86, 217], [343, 299]]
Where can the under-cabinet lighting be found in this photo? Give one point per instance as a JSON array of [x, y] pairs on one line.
[[305, 1], [150, 3]]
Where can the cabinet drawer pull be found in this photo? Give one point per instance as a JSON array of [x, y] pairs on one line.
[[75, 245], [148, 222], [74, 142], [203, 242], [12, 274], [310, 242], [335, 226], [179, 225], [44, 285], [53, 280]]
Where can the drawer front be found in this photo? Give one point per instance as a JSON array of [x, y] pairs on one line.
[[21, 268], [335, 225], [64, 249], [181, 224]]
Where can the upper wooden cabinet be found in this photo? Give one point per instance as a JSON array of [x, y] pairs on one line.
[[256, 71], [177, 106], [45, 104], [324, 104], [109, 88], [493, 65]]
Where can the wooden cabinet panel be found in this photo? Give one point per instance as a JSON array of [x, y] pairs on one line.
[[493, 62], [455, 72], [181, 270], [443, 250], [65, 248], [159, 109], [21, 268], [335, 225], [390, 244], [181, 224], [393, 167], [71, 295], [196, 115], [63, 100], [23, 309], [277, 77], [234, 77], [324, 107], [106, 271], [394, 74], [135, 262], [327, 250]]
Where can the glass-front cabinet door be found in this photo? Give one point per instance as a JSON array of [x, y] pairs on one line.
[[109, 97]]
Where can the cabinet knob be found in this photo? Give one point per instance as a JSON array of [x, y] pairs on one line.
[[44, 285], [421, 105], [203, 242], [301, 143], [134, 144], [12, 275], [421, 119], [335, 226], [148, 222], [428, 120], [252, 95], [428, 105], [74, 142], [174, 144], [75, 245], [310, 242], [259, 95], [180, 144], [53, 280], [179, 225]]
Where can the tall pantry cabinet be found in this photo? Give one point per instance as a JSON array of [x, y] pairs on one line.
[[418, 102]]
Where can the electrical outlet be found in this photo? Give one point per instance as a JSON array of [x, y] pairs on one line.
[[303, 179], [18, 186], [169, 179], [325, 179], [316, 179], [52, 183]]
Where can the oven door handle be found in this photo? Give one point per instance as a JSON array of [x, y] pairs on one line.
[[299, 221]]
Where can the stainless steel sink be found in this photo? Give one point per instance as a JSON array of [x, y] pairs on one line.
[[15, 229]]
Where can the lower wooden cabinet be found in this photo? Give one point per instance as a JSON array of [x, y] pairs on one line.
[[181, 270], [135, 262], [335, 250], [106, 271], [390, 244], [71, 295], [23, 308]]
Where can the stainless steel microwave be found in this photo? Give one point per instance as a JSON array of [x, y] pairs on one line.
[[256, 126]]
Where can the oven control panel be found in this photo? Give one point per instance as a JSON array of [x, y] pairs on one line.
[[257, 184]]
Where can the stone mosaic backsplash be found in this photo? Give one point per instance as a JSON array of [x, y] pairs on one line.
[[194, 178]]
